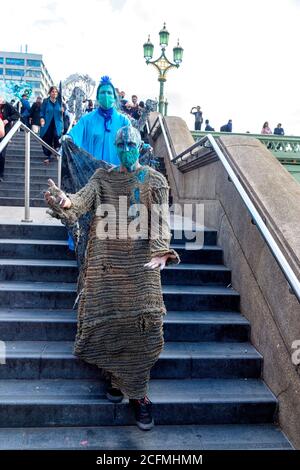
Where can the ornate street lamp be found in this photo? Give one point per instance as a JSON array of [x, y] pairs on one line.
[[162, 64]]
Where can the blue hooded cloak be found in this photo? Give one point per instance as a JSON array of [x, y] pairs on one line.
[[96, 131], [90, 134]]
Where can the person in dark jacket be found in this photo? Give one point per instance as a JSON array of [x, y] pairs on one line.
[[51, 121], [25, 110], [227, 127], [278, 130], [8, 114], [196, 111], [35, 115], [208, 127], [66, 118]]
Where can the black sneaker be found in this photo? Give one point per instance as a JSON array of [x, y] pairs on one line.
[[143, 415], [114, 395]]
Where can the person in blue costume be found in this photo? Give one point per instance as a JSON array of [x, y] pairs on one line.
[[96, 131], [120, 301]]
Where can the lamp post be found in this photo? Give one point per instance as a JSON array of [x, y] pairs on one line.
[[162, 64]]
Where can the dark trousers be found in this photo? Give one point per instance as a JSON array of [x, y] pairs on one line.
[[198, 126], [25, 120], [51, 138], [2, 161]]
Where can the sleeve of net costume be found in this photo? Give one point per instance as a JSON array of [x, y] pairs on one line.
[[85, 200], [160, 234]]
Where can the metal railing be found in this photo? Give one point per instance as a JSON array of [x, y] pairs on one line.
[[27, 133], [160, 121], [281, 145], [259, 222], [192, 150], [284, 265], [286, 149]]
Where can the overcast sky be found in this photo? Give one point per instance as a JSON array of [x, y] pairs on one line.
[[241, 57]]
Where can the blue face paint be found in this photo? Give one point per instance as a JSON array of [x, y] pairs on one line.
[[127, 150], [128, 157]]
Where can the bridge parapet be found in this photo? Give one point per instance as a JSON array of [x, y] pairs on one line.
[[285, 148]]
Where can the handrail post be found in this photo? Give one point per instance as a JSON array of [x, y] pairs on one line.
[[27, 178]]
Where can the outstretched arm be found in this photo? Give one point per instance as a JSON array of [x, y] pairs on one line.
[[72, 206]]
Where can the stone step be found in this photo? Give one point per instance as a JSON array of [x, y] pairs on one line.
[[207, 254], [161, 437], [19, 202], [12, 193], [38, 270], [31, 231], [205, 236], [19, 137], [19, 140], [34, 179], [30, 403], [35, 161], [56, 325], [19, 148], [179, 360], [34, 164], [197, 298], [62, 295], [52, 249], [208, 373], [34, 249], [9, 183], [196, 274], [40, 171], [66, 271]]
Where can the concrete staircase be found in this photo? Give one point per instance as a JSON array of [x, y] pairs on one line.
[[12, 189], [206, 387]]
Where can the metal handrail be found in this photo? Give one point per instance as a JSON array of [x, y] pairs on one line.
[[27, 133], [268, 237], [284, 265], [189, 150], [9, 135], [164, 132]]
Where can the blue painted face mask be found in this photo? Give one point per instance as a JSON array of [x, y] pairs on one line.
[[106, 97], [128, 155], [128, 141]]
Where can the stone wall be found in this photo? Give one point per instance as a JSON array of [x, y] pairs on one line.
[[266, 300]]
